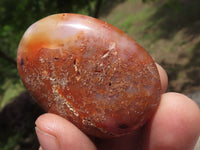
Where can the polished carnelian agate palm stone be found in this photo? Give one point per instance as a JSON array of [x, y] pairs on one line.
[[90, 73]]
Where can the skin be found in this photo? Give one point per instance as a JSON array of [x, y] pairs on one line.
[[175, 126]]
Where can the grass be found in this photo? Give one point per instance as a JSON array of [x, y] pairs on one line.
[[127, 21], [11, 142], [191, 48], [11, 91]]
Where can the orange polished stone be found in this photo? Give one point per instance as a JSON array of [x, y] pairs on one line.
[[90, 73]]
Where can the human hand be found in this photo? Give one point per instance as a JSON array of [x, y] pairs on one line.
[[175, 126]]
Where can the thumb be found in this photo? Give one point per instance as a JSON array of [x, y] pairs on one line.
[[56, 133]]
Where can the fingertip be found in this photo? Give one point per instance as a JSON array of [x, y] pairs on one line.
[[40, 148], [47, 141], [41, 121], [65, 132], [163, 77], [176, 124]]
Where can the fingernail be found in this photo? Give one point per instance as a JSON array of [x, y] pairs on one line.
[[47, 141]]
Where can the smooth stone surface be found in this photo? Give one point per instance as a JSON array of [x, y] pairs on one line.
[[90, 73]]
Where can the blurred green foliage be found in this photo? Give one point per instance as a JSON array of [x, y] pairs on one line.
[[11, 142]]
